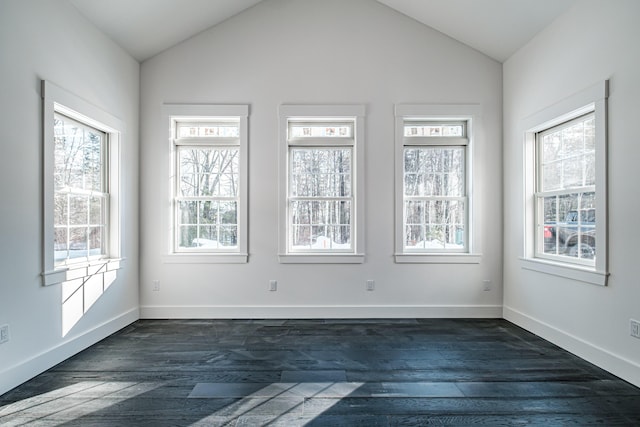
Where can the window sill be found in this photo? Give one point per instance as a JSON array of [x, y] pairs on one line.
[[437, 258], [209, 258], [82, 270], [321, 258], [567, 271]]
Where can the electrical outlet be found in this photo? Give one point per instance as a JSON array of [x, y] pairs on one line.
[[486, 285], [273, 285], [371, 285], [4, 333], [634, 328], [156, 285]]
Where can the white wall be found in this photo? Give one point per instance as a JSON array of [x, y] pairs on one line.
[[320, 52], [594, 41], [43, 39]]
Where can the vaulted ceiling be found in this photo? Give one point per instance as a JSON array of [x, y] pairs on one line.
[[496, 28]]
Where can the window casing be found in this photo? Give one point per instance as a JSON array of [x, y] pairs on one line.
[[209, 183], [433, 183], [565, 178], [320, 194], [81, 187]]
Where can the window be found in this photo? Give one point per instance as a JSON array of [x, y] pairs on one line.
[[81, 195], [565, 146], [321, 197], [433, 204], [81, 181], [565, 195], [209, 208]]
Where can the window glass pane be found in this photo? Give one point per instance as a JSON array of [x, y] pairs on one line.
[[78, 242], [209, 171], [207, 237], [414, 236], [208, 212], [96, 238], [590, 168], [414, 212], [434, 130], [435, 224], [60, 209], [60, 243], [187, 236], [569, 225], [228, 212], [433, 171], [187, 212], [77, 155], [209, 224], [552, 176], [78, 209], [306, 130], [590, 135], [208, 130], [97, 211], [321, 224], [567, 155], [573, 139], [228, 236], [573, 172], [320, 172]]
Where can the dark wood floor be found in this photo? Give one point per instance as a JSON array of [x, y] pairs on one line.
[[409, 372]]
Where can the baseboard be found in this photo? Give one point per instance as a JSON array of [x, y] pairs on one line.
[[24, 371], [319, 312], [613, 363]]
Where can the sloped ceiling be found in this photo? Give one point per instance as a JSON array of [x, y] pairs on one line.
[[145, 28], [496, 28]]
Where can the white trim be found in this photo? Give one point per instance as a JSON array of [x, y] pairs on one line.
[[569, 271], [319, 258], [573, 106], [438, 140], [320, 311], [322, 114], [434, 258], [58, 100], [592, 99], [205, 111], [77, 271], [616, 364], [208, 258], [306, 111], [21, 372], [431, 113], [173, 113]]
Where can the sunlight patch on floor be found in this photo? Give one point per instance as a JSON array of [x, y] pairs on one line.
[[277, 403], [71, 403]]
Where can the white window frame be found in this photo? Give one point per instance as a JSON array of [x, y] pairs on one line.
[[59, 101], [175, 114], [590, 100], [435, 114], [321, 114]]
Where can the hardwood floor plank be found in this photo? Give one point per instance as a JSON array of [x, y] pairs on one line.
[[546, 420]]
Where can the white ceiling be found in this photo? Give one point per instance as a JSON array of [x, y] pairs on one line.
[[145, 28], [496, 28]]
